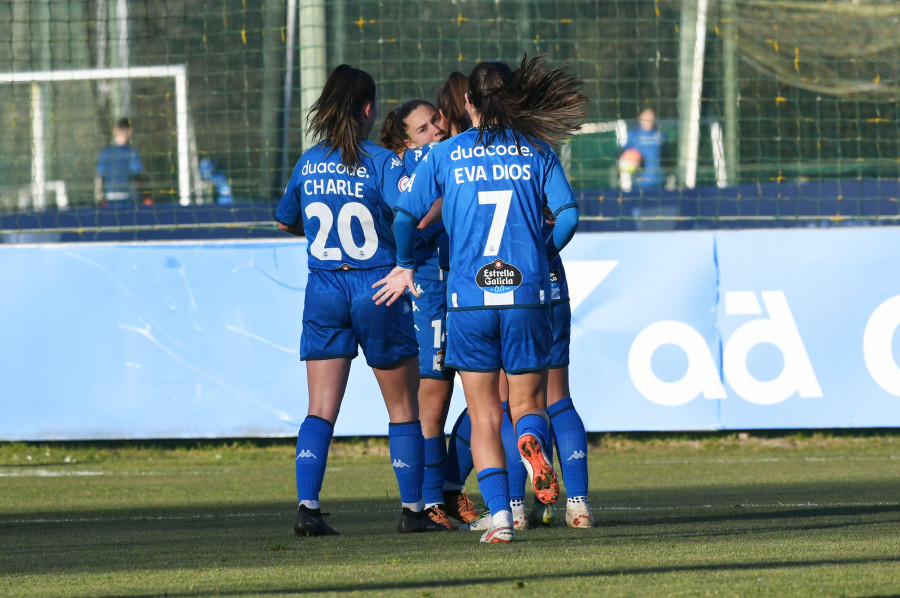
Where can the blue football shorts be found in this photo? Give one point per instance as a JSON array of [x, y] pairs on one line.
[[339, 316], [430, 315], [485, 340], [562, 333]]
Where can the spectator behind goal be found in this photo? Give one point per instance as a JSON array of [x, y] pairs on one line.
[[119, 168]]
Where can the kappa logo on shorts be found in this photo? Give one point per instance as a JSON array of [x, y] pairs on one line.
[[577, 455], [398, 464], [306, 454], [498, 277]]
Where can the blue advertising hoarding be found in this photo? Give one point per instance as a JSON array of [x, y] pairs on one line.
[[671, 331]]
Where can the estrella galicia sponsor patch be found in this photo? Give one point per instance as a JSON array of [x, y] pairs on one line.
[[498, 277]]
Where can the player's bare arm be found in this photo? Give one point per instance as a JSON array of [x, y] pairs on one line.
[[294, 230], [397, 282], [433, 215]]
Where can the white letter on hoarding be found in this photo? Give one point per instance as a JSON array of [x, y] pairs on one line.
[[701, 375], [778, 329], [878, 342]]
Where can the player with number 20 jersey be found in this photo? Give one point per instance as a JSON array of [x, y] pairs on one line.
[[347, 218]]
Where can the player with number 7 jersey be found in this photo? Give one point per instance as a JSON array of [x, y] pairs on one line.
[[493, 193], [494, 181]]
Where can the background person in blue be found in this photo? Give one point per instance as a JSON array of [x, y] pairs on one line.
[[341, 195], [118, 167], [648, 140], [494, 180]]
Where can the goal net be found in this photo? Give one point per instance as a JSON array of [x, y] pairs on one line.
[[774, 113]]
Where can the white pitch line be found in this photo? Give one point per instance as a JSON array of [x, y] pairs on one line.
[[768, 460], [749, 506], [48, 473], [44, 473], [142, 518]]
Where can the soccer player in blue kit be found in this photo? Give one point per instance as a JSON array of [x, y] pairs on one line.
[[494, 180], [341, 195], [566, 425], [411, 130]]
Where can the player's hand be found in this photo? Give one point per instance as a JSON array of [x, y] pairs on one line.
[[394, 285], [548, 214]]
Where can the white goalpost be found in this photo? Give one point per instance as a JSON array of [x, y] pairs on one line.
[[620, 128], [177, 72]]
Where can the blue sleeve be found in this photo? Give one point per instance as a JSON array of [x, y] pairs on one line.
[[135, 167], [405, 237], [563, 231], [392, 173], [101, 163], [422, 188], [289, 209], [557, 189]]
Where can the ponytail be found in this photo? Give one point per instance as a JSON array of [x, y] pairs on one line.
[[392, 134], [452, 100], [338, 116], [539, 103]]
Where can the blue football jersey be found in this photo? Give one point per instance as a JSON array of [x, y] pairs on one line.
[[431, 242], [117, 164], [347, 213], [559, 286], [493, 196]]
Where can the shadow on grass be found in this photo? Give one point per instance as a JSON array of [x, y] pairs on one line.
[[537, 579], [259, 534]]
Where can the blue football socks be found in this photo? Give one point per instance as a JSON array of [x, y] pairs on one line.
[[536, 425], [313, 441], [435, 463], [407, 448], [571, 442], [493, 482], [459, 453], [518, 475]]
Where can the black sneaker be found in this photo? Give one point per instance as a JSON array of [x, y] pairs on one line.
[[309, 523], [412, 522]]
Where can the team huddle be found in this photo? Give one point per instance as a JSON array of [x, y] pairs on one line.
[[438, 253]]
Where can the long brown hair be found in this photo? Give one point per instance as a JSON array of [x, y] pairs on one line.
[[533, 101], [338, 116], [393, 129], [452, 103]]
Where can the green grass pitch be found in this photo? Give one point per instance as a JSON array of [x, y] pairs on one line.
[[805, 514]]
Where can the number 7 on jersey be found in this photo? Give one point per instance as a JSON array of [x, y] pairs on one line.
[[502, 200]]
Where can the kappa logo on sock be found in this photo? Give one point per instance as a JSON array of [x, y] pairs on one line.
[[306, 454], [577, 455], [398, 464]]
